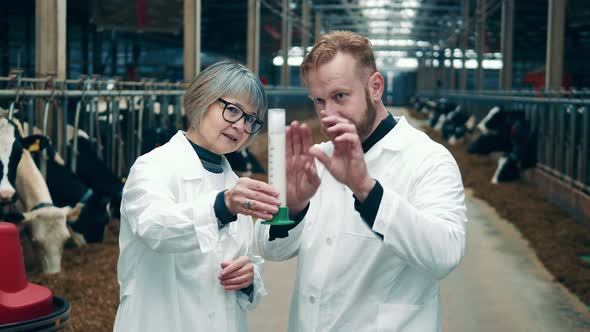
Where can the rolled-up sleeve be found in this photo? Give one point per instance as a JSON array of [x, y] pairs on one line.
[[250, 301]]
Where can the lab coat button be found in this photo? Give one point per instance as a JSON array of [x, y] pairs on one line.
[[211, 315], [328, 241], [312, 299]]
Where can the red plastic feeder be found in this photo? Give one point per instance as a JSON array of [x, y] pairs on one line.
[[19, 299]]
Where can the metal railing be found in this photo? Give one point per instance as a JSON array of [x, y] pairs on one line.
[[123, 108], [562, 127], [113, 113]]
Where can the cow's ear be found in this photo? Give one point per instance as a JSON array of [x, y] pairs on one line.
[[73, 213]]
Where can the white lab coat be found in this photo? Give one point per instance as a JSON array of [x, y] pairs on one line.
[[171, 248], [348, 279]]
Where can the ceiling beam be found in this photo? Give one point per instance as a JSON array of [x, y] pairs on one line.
[[422, 7]]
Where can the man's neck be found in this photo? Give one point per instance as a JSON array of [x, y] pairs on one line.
[[381, 130]]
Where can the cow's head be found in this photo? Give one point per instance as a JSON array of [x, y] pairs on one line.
[[490, 122], [48, 230], [10, 154]]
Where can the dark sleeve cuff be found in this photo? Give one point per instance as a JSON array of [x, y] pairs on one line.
[[222, 213], [248, 291], [283, 231], [369, 208]]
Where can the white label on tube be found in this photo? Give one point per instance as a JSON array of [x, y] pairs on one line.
[[276, 152]]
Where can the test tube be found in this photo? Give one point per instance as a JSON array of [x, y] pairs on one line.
[[277, 170]]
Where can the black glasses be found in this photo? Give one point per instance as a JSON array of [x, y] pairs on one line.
[[233, 113]]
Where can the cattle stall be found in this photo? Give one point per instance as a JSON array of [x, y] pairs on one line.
[[560, 122]]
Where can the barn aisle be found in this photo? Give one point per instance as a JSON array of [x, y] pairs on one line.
[[500, 285]]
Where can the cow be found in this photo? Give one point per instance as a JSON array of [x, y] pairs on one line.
[[90, 168], [456, 125], [495, 130], [439, 113], [244, 162], [521, 157], [10, 154], [35, 210], [68, 189], [95, 174], [508, 132]]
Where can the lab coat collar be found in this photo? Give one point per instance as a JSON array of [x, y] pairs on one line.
[[190, 166], [395, 140]]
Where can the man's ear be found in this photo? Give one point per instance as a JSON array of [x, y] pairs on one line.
[[376, 86]]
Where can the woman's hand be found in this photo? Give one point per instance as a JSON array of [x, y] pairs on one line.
[[253, 198], [236, 274]]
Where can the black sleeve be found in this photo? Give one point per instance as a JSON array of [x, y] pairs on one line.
[[248, 291], [222, 213], [283, 231], [368, 209]]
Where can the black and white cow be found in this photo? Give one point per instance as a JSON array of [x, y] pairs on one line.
[[508, 132], [456, 125], [244, 162], [95, 174], [10, 154], [68, 189], [439, 113], [495, 130], [35, 210]]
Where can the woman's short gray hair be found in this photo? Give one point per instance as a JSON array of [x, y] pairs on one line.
[[223, 79]]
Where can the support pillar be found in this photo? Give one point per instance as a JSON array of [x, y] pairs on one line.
[[452, 85], [481, 30], [305, 26], [555, 36], [50, 41], [192, 39], [318, 26], [464, 44], [253, 35], [285, 44], [507, 44], [50, 57]]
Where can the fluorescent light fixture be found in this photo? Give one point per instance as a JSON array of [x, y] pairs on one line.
[[378, 30], [492, 64], [471, 64], [407, 63], [470, 54], [294, 61], [383, 53], [408, 13]]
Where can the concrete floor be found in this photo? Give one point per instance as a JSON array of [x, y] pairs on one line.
[[499, 286]]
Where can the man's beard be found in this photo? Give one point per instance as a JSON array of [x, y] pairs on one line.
[[364, 128], [365, 125]]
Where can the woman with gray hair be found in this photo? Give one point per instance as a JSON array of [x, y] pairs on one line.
[[185, 261]]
